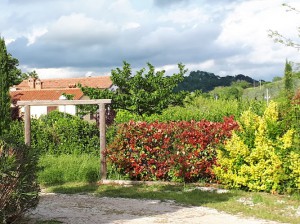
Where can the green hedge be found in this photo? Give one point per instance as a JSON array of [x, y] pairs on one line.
[[57, 134]]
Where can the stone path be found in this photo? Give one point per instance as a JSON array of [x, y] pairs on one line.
[[88, 209]]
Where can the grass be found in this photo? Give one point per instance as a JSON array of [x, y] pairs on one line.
[[282, 208], [68, 168], [274, 88]]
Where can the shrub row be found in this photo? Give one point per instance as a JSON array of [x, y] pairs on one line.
[[197, 108], [176, 151]]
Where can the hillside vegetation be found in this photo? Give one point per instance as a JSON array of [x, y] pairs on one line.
[[274, 88]]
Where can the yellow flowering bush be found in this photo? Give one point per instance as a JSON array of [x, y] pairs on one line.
[[259, 156], [295, 167]]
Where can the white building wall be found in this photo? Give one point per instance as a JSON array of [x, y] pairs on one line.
[[69, 109], [36, 111]]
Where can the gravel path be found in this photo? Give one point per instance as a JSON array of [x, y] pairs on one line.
[[88, 209]]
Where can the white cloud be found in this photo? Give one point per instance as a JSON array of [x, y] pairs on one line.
[[204, 66], [224, 37], [173, 68], [45, 73], [80, 29], [246, 28], [131, 25], [8, 41], [35, 34], [188, 17]]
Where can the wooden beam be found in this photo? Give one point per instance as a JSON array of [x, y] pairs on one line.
[[101, 103], [103, 168], [62, 102], [27, 125]]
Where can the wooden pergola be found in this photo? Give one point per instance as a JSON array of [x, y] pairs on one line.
[[101, 103]]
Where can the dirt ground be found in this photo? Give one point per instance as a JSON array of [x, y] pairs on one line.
[[89, 209]]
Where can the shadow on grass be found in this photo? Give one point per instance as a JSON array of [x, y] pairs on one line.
[[183, 194], [109, 201], [73, 188]]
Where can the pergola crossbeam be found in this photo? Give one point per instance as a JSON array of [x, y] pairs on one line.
[[62, 102]]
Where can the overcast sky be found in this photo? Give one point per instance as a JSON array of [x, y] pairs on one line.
[[70, 38]]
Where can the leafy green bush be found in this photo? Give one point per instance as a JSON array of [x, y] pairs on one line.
[[58, 169], [57, 133], [261, 156], [197, 108], [18, 182], [177, 151]]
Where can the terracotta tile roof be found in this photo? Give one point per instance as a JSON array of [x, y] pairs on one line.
[[102, 82], [44, 94]]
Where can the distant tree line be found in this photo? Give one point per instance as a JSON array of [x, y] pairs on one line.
[[205, 81]]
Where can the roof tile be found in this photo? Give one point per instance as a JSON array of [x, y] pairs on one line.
[[44, 94], [102, 82]]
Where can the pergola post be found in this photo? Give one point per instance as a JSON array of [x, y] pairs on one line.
[[27, 124], [103, 169], [100, 102]]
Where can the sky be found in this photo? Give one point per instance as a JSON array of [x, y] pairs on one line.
[[76, 38]]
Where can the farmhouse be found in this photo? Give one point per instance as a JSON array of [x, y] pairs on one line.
[[54, 89]]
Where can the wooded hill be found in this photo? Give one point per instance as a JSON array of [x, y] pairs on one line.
[[205, 81]]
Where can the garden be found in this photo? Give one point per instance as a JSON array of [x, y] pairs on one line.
[[156, 135]]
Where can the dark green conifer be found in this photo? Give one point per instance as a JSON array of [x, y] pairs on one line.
[[288, 80], [5, 116]]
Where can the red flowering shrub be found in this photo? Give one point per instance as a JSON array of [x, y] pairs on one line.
[[177, 151]]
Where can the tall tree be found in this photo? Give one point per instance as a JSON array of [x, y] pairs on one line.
[[28, 75], [15, 74], [288, 80], [5, 116], [142, 93]]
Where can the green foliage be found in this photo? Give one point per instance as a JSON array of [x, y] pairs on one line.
[[28, 75], [275, 89], [288, 80], [15, 74], [227, 93], [205, 81], [18, 182], [58, 169], [68, 96], [241, 84], [177, 151], [57, 134], [197, 108], [276, 78], [143, 93], [260, 156], [5, 116]]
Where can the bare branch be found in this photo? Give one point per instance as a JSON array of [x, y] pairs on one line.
[[279, 38]]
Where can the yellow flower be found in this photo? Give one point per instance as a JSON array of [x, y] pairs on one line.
[[271, 113], [287, 139]]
